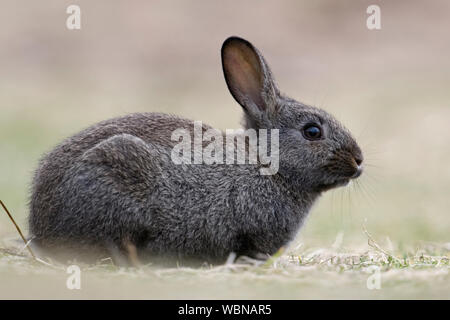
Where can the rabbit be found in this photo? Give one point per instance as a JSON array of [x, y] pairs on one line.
[[114, 186]]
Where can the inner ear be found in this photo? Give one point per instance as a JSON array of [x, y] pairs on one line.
[[243, 71]]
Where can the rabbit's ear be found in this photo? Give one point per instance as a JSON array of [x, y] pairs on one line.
[[247, 75]]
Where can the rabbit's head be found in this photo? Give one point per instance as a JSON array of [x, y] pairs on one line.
[[316, 152]]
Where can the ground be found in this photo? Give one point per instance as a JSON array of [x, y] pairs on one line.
[[324, 273]]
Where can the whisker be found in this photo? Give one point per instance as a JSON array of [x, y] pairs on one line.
[[372, 165], [369, 198]]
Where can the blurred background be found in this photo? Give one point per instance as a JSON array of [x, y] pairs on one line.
[[390, 87]]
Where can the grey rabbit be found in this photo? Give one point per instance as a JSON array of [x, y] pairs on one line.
[[114, 186]]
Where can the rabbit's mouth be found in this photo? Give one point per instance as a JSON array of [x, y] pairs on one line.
[[339, 178], [339, 182]]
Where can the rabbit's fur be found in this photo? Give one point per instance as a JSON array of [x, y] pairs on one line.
[[114, 184]]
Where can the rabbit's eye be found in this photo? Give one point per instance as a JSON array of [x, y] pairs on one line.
[[312, 132]]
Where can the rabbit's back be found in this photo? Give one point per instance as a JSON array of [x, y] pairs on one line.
[[57, 166]]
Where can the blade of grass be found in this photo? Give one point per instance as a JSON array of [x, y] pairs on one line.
[[18, 229]]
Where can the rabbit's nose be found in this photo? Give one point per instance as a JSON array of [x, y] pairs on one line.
[[358, 172], [358, 157], [359, 168]]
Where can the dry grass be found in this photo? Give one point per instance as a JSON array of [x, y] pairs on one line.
[[301, 273], [338, 269]]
